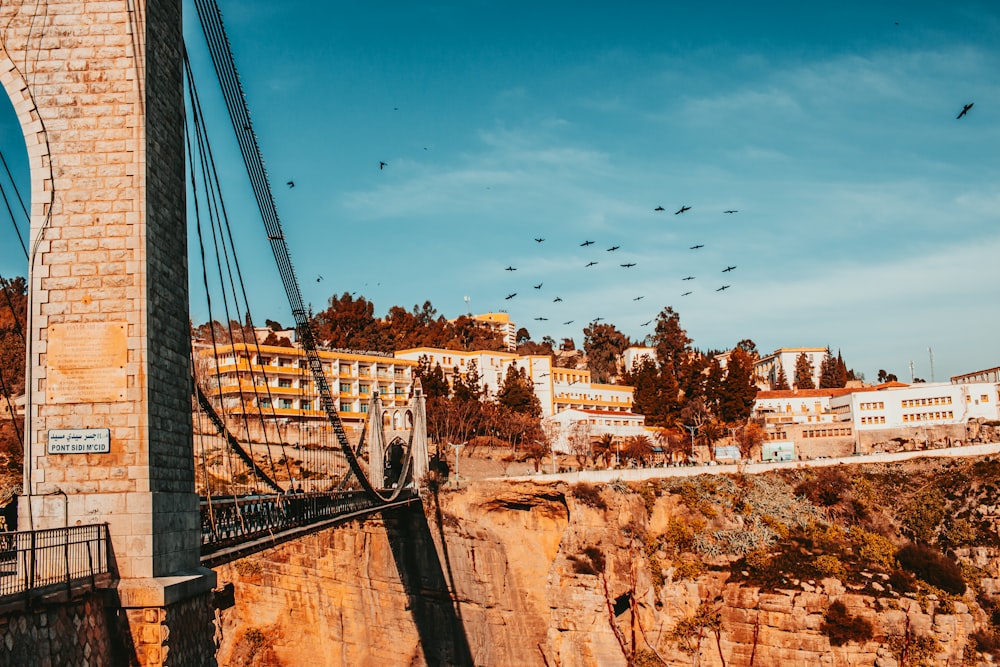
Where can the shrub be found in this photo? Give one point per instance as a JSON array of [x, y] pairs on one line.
[[830, 566], [902, 581], [589, 495], [826, 488], [874, 549], [933, 567], [688, 569], [986, 642], [841, 627], [591, 561]]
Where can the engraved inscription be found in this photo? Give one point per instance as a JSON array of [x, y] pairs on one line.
[[86, 362]]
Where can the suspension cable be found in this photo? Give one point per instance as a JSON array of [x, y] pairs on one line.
[[232, 90]]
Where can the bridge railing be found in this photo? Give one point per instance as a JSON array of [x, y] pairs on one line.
[[229, 521], [38, 559]]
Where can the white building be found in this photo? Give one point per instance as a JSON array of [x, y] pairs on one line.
[[574, 425], [767, 368]]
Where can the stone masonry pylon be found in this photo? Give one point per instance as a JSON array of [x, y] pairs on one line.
[[98, 90]]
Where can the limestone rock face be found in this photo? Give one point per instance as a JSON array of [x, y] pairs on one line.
[[513, 575]]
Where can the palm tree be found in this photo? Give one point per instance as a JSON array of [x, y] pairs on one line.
[[639, 447], [602, 447]]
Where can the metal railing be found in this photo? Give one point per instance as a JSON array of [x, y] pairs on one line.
[[37, 559], [230, 521]]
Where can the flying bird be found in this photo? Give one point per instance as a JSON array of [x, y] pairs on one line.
[[688, 278], [728, 269], [695, 247], [539, 240], [659, 208], [686, 293], [539, 286], [570, 322], [647, 323], [628, 265], [613, 248], [639, 298], [382, 165], [965, 110], [319, 279], [510, 268], [586, 243], [598, 319], [682, 209], [557, 299], [591, 263], [724, 287], [731, 211], [290, 184], [541, 318], [510, 296]]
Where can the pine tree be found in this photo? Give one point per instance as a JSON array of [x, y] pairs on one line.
[[781, 381], [804, 372], [739, 389], [518, 394], [828, 371], [841, 371]]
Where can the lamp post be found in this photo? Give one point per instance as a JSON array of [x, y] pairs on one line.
[[457, 446], [693, 430]]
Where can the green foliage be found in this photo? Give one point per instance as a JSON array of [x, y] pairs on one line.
[[830, 566], [912, 650], [804, 372], [841, 627], [924, 513], [932, 567], [687, 632], [689, 569], [873, 549], [604, 345]]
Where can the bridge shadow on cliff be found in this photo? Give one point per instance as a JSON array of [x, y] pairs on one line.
[[429, 585]]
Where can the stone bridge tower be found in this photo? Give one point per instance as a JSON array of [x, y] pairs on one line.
[[98, 90]]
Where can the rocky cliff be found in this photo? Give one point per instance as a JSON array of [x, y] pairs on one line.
[[799, 569]]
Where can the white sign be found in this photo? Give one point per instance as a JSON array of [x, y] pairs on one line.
[[80, 441]]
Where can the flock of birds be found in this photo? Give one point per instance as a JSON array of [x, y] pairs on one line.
[[382, 164], [624, 265]]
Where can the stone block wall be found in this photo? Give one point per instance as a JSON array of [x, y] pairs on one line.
[[74, 632], [98, 90]]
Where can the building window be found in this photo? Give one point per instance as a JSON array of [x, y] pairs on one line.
[[284, 382], [364, 408], [265, 402], [307, 405], [345, 388], [285, 404], [345, 407], [365, 389]]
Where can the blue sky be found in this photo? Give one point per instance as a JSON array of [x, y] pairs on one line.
[[867, 213]]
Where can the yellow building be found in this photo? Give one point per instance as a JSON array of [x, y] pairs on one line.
[[250, 379]]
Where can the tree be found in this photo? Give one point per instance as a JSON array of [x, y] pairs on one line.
[[432, 379], [349, 323], [468, 386], [518, 394], [604, 345], [670, 339], [828, 372], [841, 373], [804, 372], [604, 447], [781, 381], [750, 438], [738, 388], [656, 393], [884, 377], [638, 448], [579, 441]]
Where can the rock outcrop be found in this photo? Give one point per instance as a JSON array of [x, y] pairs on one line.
[[522, 574]]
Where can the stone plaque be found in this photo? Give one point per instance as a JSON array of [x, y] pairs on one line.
[[79, 441], [85, 362]]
